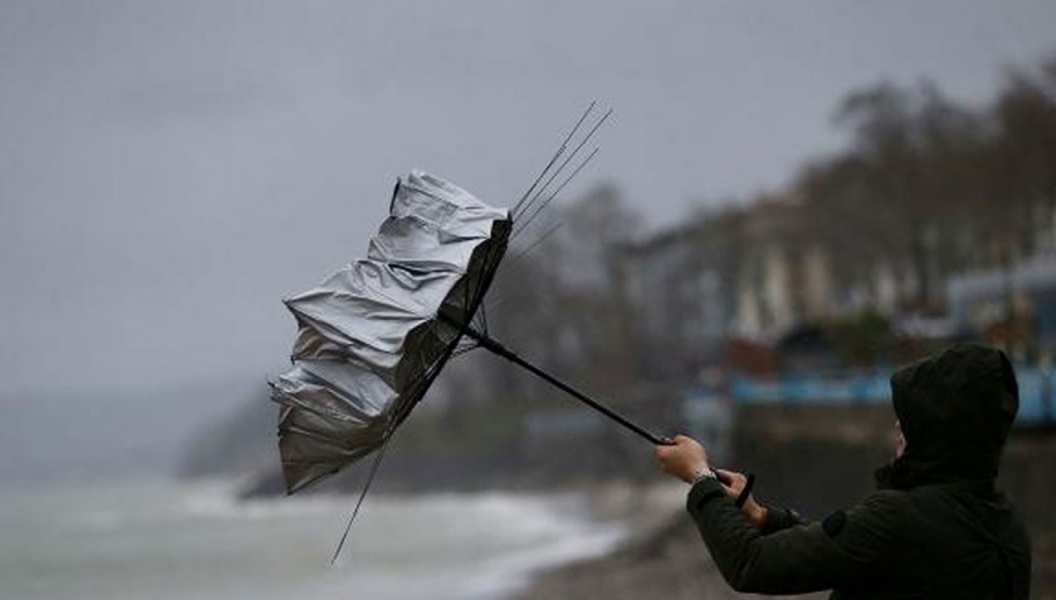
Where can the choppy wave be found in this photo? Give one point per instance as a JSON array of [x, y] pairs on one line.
[[166, 540]]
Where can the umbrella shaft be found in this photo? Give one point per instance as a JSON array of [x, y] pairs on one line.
[[497, 348]]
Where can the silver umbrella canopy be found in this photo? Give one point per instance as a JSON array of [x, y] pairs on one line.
[[373, 336]]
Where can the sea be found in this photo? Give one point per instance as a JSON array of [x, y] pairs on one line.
[[163, 540]]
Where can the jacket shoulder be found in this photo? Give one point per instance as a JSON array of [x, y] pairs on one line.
[[886, 505], [881, 521], [910, 512]]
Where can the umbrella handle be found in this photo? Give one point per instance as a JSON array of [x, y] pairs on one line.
[[495, 347], [488, 343]]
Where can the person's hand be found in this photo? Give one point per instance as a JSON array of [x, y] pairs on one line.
[[685, 458], [733, 484]]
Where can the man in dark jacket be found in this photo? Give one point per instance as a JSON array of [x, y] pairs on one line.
[[936, 528]]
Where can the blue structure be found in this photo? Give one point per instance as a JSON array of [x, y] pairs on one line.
[[1037, 392]]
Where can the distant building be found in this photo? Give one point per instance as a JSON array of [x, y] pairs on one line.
[[784, 276], [683, 283], [1027, 290]]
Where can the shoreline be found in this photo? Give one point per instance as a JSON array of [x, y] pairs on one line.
[[662, 555]]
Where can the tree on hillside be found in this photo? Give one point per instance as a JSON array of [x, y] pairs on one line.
[[904, 140], [1024, 155]]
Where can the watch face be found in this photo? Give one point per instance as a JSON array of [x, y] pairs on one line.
[[705, 472]]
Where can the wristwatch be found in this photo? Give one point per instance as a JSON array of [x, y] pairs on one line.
[[704, 472]]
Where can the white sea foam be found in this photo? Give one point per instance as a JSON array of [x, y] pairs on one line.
[[167, 541], [512, 571]]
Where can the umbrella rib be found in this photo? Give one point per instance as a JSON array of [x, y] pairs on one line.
[[590, 135], [553, 159], [464, 350], [492, 256], [340, 444], [497, 302], [429, 373], [536, 243], [539, 193], [295, 402], [535, 214], [362, 495], [481, 310], [478, 319]]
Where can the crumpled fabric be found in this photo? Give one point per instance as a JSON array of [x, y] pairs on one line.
[[370, 339]]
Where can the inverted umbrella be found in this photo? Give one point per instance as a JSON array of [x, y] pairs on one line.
[[374, 336]]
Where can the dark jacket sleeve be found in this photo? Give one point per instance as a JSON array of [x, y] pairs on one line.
[[778, 518], [797, 559]]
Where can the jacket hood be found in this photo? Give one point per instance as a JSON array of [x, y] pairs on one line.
[[955, 409]]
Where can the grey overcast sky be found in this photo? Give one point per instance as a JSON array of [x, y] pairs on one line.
[[170, 170]]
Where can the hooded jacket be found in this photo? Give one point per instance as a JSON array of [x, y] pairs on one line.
[[935, 528]]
